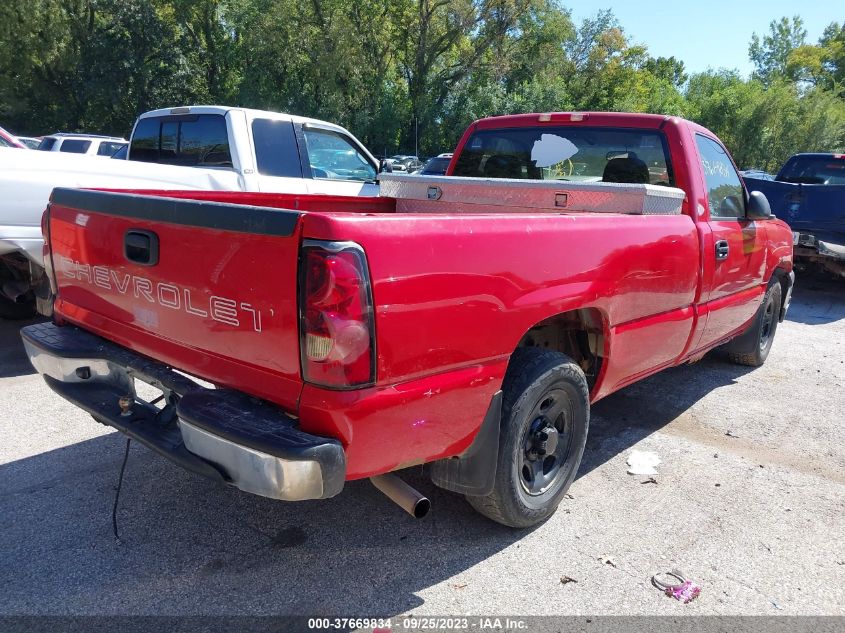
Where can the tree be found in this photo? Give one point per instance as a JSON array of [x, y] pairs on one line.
[[667, 69], [823, 64], [90, 65], [770, 54], [383, 67], [441, 43]]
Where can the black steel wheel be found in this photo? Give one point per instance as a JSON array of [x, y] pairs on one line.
[[752, 347], [547, 443], [545, 416]]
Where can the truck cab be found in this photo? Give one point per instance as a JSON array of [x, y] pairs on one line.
[[257, 150]]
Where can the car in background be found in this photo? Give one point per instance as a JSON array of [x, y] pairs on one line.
[[437, 166], [808, 193], [31, 142], [759, 174], [8, 140], [393, 165], [406, 163], [90, 144]]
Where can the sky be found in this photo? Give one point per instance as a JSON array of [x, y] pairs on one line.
[[713, 33]]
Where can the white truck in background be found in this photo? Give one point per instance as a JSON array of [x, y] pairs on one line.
[[87, 144], [191, 148]]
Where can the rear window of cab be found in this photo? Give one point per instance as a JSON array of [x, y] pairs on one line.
[[193, 140], [574, 154], [814, 170]]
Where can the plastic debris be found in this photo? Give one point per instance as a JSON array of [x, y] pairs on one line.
[[650, 480], [731, 434], [687, 592], [674, 584], [642, 463], [565, 580]]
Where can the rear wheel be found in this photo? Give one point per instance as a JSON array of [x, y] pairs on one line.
[[753, 346], [545, 416]]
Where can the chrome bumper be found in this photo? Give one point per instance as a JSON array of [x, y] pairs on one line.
[[220, 434]]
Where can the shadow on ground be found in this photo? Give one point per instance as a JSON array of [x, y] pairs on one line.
[[190, 546], [13, 358], [622, 419], [193, 547], [817, 299]]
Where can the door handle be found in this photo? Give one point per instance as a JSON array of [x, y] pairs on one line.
[[722, 250], [141, 247]]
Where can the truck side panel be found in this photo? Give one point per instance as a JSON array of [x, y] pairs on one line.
[[514, 272], [455, 294]]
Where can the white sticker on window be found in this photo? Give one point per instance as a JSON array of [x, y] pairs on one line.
[[648, 140], [552, 149]]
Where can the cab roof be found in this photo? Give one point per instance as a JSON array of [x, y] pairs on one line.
[[223, 110]]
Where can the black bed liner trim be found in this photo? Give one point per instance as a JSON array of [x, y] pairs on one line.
[[206, 214]]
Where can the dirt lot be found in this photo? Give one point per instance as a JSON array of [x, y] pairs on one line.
[[749, 502]]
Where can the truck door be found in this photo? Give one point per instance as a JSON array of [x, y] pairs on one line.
[[277, 156], [735, 250], [337, 164]]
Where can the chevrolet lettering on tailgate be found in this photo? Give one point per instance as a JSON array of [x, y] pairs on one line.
[[221, 309]]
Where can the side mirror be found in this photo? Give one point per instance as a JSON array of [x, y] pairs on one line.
[[758, 207], [385, 166]]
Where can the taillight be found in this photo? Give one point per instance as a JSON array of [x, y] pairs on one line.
[[337, 333]]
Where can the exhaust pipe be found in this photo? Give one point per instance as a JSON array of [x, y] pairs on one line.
[[410, 500]]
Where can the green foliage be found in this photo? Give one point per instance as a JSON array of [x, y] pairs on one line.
[[401, 74], [821, 65], [770, 53]]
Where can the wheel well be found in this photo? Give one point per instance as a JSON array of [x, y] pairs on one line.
[[579, 334], [783, 278]]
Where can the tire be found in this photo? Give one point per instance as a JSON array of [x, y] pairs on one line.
[[752, 347], [545, 417]]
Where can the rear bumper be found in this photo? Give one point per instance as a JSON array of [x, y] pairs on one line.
[[220, 434], [809, 245]]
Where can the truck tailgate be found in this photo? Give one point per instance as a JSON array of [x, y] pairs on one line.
[[195, 284]]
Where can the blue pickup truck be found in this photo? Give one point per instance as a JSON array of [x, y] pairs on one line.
[[808, 193]]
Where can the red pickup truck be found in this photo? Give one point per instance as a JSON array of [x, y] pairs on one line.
[[467, 321]]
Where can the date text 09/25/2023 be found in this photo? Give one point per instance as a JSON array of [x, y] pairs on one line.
[[422, 623]]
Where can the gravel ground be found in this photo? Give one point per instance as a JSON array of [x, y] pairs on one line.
[[749, 502]]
